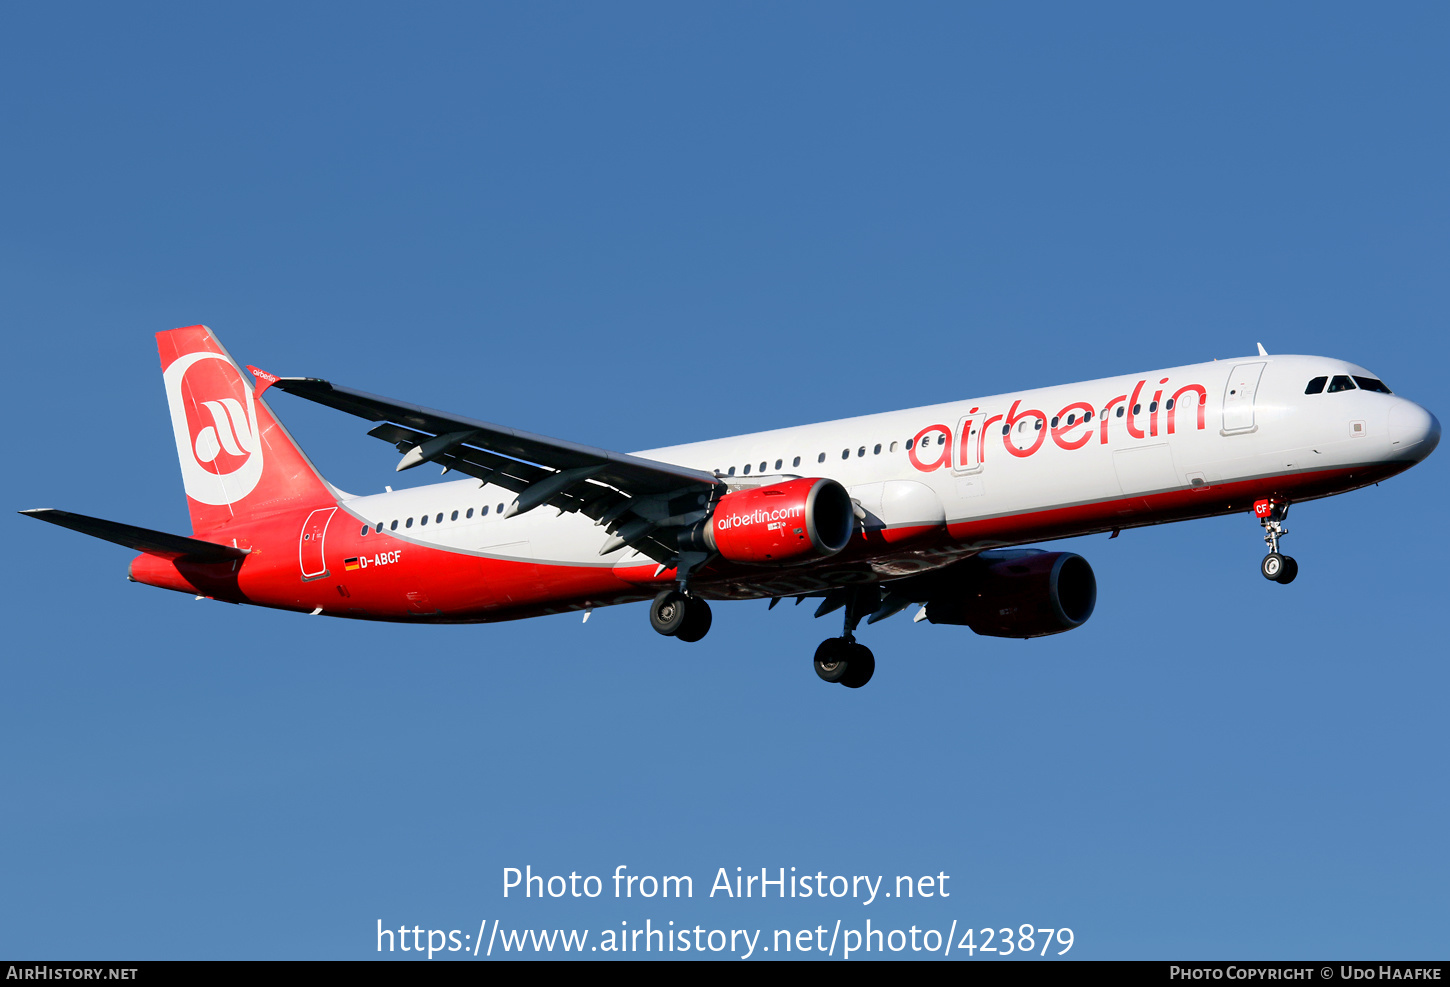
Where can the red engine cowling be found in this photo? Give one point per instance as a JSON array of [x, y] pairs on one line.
[[1026, 594], [782, 524]]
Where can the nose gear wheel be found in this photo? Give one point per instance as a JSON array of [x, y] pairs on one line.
[[1276, 567]]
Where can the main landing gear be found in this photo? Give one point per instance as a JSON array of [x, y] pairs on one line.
[[674, 614], [843, 659], [846, 661], [1275, 567]]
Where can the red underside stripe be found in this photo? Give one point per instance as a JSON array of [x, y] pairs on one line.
[[435, 585]]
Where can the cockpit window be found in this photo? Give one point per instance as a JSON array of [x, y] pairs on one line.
[[1341, 382], [1371, 384], [1316, 385]]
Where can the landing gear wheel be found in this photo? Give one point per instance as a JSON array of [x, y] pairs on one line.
[[669, 611], [1272, 568], [1290, 570], [860, 666], [832, 659], [1276, 567], [697, 620]]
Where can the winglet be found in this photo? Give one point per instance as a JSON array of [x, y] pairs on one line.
[[1262, 351], [266, 380]]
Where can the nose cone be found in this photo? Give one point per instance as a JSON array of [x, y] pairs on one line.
[[1414, 432]]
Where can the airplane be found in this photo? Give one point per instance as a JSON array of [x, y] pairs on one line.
[[929, 506]]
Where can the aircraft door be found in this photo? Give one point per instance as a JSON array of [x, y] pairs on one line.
[[1238, 398], [311, 541], [969, 445]]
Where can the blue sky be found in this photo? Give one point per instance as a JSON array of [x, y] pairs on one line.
[[635, 225]]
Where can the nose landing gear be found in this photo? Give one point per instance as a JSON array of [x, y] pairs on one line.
[[1275, 567]]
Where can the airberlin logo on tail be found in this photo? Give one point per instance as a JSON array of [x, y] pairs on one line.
[[216, 435], [229, 431]]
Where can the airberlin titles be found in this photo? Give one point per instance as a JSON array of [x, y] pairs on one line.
[[783, 523], [1071, 428]]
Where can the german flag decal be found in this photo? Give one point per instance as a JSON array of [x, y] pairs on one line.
[[350, 564]]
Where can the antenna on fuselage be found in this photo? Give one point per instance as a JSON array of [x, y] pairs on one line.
[[1262, 351]]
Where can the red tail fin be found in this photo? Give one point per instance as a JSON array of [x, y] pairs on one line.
[[237, 460]]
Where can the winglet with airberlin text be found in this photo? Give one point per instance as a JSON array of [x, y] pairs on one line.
[[264, 379]]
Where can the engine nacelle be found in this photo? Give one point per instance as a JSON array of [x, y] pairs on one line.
[[781, 524], [1027, 594]]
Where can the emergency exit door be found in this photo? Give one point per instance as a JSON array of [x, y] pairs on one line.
[[969, 445]]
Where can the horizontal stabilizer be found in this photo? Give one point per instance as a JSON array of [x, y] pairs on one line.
[[159, 543]]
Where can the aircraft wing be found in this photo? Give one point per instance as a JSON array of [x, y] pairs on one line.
[[637, 500]]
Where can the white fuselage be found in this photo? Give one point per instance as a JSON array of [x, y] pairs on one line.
[[951, 464]]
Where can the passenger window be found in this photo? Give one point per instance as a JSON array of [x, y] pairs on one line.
[[483, 511], [893, 447], [1153, 407], [423, 519], [845, 453], [1316, 386], [1371, 384], [1120, 411], [796, 461], [746, 471], [1088, 416], [1054, 420], [439, 518], [470, 513], [1137, 409], [1037, 424], [408, 523], [762, 467], [732, 471], [1341, 382], [1006, 429], [779, 463], [861, 451], [393, 526], [1168, 404], [454, 517], [877, 450], [908, 444], [500, 508], [821, 458], [380, 526], [365, 530]]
